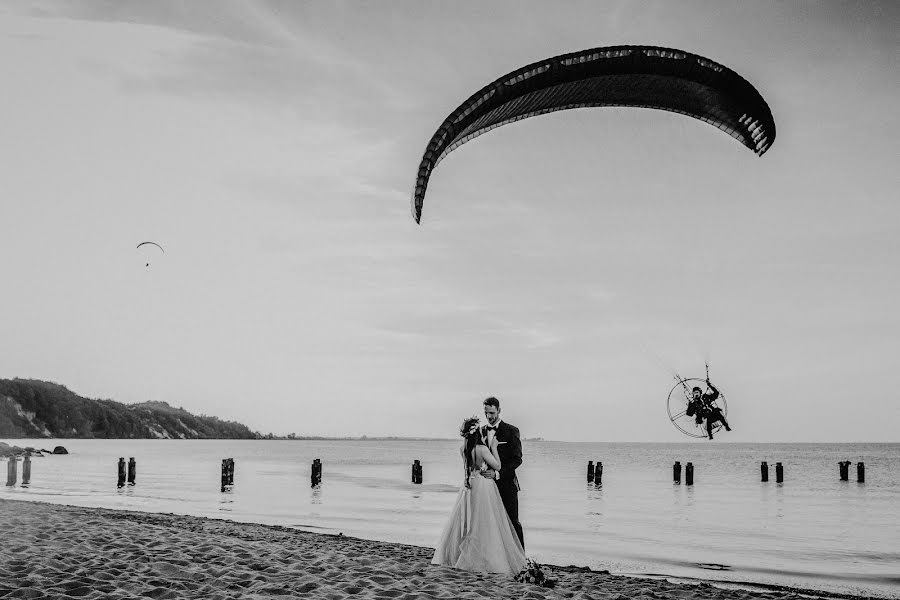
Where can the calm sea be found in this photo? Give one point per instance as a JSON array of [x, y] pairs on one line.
[[812, 531]]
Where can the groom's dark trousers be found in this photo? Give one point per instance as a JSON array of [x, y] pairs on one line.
[[509, 448]]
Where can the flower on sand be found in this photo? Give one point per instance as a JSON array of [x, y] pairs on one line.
[[532, 573]]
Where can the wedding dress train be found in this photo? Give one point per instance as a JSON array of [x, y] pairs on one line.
[[479, 535]]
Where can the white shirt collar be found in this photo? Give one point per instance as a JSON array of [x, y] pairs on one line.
[[497, 424]]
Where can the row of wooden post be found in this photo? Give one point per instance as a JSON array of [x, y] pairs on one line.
[[595, 473], [12, 469]]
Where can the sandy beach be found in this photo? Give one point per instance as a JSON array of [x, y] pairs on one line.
[[53, 551]]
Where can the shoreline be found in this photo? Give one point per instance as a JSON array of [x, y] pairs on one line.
[[76, 552]]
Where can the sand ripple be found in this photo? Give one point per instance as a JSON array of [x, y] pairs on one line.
[[52, 551]]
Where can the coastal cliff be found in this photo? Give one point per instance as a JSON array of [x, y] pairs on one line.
[[31, 408]]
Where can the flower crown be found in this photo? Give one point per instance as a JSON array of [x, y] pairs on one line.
[[469, 427]]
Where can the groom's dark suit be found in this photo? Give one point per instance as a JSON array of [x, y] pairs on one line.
[[509, 447]]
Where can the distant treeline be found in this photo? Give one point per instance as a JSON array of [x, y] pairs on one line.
[[31, 408]]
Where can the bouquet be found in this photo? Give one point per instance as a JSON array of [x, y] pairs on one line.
[[532, 573]]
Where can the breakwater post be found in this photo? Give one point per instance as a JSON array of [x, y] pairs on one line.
[[689, 474], [861, 472], [121, 481], [26, 470], [844, 470], [132, 470], [598, 473], [11, 469], [590, 471], [416, 471], [779, 473], [315, 477], [227, 473], [764, 470], [676, 472]]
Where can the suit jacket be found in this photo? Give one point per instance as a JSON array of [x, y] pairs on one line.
[[509, 447]]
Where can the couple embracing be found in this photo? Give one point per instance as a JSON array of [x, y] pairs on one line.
[[483, 532]]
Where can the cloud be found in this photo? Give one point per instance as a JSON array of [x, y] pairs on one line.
[[240, 50]]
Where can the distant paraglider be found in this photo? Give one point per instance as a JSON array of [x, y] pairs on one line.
[[147, 264], [636, 76]]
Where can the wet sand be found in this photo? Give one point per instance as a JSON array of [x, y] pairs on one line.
[[56, 551]]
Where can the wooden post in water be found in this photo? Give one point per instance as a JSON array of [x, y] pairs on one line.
[[764, 470], [689, 474], [121, 482], [676, 472], [598, 473], [224, 474], [416, 472], [590, 471], [861, 472], [26, 470], [779, 473], [315, 477], [230, 471], [132, 470], [11, 469], [844, 470]]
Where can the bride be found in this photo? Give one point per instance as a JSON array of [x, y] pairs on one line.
[[479, 535]]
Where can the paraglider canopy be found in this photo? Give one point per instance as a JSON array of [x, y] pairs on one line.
[[152, 243], [147, 264], [637, 76]]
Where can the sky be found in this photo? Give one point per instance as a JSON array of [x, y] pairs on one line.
[[569, 264]]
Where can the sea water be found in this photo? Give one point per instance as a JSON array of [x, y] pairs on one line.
[[811, 531]]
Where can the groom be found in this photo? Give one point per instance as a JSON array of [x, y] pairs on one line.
[[509, 447]]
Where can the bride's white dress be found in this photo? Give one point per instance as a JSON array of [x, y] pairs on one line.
[[479, 535]]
